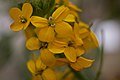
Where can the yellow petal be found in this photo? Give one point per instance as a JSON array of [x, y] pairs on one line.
[[94, 39], [74, 13], [46, 34], [57, 46], [80, 51], [16, 26], [33, 43], [60, 13], [66, 2], [39, 21], [72, 6], [70, 54], [78, 41], [70, 18], [29, 32], [83, 33], [90, 42], [40, 65], [63, 29], [27, 10], [37, 77], [81, 63], [47, 57], [83, 25], [15, 14], [49, 74], [31, 66], [57, 1], [61, 61]]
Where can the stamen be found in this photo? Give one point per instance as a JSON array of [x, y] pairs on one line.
[[22, 19], [51, 22], [71, 43]]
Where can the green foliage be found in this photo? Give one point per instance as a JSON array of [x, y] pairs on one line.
[[43, 8]]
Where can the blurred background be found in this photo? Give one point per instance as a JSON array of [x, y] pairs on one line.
[[103, 14]]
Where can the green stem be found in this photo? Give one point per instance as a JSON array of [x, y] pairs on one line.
[[101, 57]]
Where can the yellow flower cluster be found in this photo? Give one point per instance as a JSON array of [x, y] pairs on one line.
[[60, 38]]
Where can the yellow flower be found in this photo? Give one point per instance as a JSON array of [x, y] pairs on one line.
[[81, 30], [40, 71], [71, 48], [89, 39], [21, 18], [55, 24], [73, 9], [90, 42], [47, 57], [80, 63]]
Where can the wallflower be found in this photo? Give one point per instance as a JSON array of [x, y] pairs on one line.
[[47, 57], [88, 37], [80, 63], [73, 9], [21, 18], [40, 71], [55, 24], [71, 48]]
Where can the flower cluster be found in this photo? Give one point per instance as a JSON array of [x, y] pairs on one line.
[[59, 35]]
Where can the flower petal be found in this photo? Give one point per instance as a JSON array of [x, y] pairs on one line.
[[46, 34], [60, 13], [61, 61], [15, 14], [94, 39], [81, 63], [79, 51], [16, 26], [70, 54], [39, 64], [33, 43], [63, 29], [31, 66], [39, 21], [72, 6], [49, 74], [27, 10], [47, 57], [83, 25], [83, 33], [70, 18], [57, 46], [29, 32]]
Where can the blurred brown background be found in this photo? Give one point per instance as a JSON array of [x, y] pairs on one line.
[[104, 14]]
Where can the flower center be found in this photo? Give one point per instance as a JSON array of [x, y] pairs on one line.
[[38, 73], [22, 19], [71, 43], [51, 22], [44, 45]]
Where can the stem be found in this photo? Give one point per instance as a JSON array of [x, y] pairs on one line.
[[66, 74], [101, 57]]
